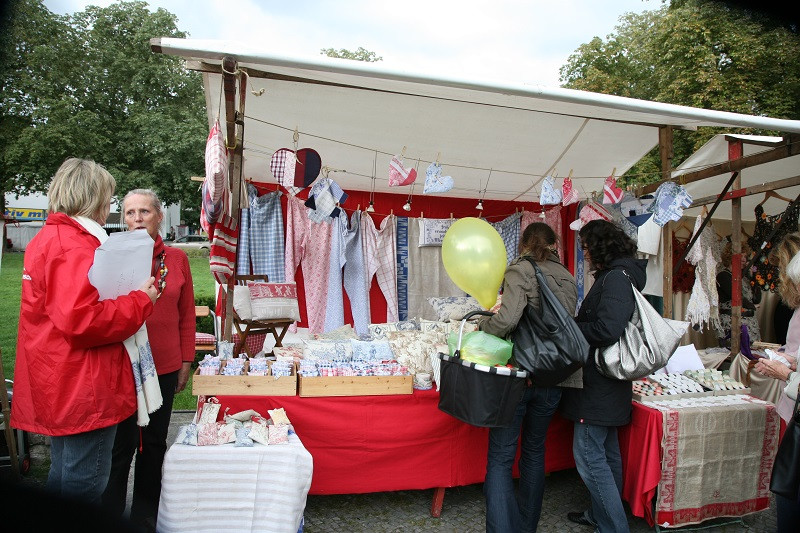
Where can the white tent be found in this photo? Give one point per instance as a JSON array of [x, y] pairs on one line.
[[357, 115]]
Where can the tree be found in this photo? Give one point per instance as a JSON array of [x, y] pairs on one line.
[[361, 54], [92, 88], [714, 55]]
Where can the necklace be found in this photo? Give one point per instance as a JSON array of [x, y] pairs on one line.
[[162, 273]]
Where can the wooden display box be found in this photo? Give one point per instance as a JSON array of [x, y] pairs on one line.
[[355, 385], [221, 385]]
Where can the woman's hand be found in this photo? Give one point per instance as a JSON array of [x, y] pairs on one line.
[[773, 369], [150, 290], [183, 376], [792, 361]]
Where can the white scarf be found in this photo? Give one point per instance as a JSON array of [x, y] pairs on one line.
[[148, 391]]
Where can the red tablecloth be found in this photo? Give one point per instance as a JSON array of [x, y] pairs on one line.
[[364, 444]]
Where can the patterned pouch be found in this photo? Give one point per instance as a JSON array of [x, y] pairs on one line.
[[550, 195], [400, 175], [568, 192], [435, 182]]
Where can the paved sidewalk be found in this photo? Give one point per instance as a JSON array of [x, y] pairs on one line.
[[463, 511]]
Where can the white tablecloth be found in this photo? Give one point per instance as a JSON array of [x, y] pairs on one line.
[[229, 488]]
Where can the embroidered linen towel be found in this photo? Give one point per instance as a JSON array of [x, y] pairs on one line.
[[273, 300]]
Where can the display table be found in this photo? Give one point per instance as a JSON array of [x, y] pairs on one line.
[[364, 444], [710, 459], [229, 488]]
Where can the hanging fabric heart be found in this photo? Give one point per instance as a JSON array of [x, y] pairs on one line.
[[551, 195], [400, 175], [435, 182], [611, 193], [568, 192], [295, 173]]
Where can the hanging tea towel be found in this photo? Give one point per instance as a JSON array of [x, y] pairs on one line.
[[435, 182], [568, 192], [611, 193], [551, 195], [400, 175], [703, 307], [223, 249]]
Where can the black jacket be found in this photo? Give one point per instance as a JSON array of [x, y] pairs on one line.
[[604, 313]]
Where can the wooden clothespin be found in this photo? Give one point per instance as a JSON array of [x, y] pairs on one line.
[[613, 171], [421, 215], [438, 154], [391, 212], [403, 153], [570, 174], [451, 216], [358, 208]]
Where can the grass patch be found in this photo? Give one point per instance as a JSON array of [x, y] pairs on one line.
[[10, 287]]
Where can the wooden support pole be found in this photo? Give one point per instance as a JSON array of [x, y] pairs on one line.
[[735, 151], [665, 148]]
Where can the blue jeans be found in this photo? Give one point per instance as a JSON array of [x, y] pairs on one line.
[[80, 464], [504, 511], [597, 458]]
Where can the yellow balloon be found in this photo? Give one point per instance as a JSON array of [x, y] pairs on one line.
[[474, 257]]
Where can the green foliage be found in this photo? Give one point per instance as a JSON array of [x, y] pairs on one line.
[[702, 54], [10, 291], [88, 85], [361, 54]]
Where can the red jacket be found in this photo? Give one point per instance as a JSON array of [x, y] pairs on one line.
[[72, 372]]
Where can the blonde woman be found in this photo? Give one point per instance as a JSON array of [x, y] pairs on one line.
[[73, 378]]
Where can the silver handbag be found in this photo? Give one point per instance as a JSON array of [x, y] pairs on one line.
[[646, 345]]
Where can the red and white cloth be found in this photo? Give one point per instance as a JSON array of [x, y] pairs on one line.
[[589, 212], [216, 163], [568, 193], [222, 257], [400, 175], [611, 193]]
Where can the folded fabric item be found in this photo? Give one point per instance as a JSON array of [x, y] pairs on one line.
[[611, 193], [435, 182], [568, 192], [216, 163], [550, 195], [589, 212], [669, 202], [400, 175]]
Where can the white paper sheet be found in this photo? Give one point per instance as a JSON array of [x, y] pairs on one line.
[[122, 263], [684, 358]]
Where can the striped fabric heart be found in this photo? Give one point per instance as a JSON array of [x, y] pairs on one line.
[[568, 193], [611, 193], [295, 171], [400, 175]]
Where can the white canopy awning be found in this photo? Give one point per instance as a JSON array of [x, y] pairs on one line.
[[355, 114], [716, 151]]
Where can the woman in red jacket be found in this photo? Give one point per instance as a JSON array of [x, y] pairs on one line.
[[171, 330], [73, 378]]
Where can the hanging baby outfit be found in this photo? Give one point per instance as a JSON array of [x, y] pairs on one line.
[[310, 244], [322, 200], [380, 261]]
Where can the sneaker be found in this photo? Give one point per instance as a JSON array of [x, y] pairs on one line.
[[582, 518]]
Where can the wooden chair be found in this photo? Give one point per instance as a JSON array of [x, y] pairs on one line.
[[277, 327], [205, 342]]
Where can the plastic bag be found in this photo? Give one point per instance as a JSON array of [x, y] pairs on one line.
[[481, 347]]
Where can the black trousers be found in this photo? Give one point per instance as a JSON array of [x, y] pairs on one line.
[[149, 459]]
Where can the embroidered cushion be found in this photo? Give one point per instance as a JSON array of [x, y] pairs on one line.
[[376, 350], [412, 348], [274, 300], [241, 302], [454, 307], [327, 350]]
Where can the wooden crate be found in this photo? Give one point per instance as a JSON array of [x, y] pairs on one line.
[[355, 385], [221, 385]]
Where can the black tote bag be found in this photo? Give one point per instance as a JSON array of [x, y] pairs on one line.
[[548, 342]]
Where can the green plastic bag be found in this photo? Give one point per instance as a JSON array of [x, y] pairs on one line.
[[481, 347]]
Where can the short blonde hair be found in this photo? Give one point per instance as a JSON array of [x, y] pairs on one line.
[[785, 251], [80, 187]]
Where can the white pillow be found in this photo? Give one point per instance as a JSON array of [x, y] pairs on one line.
[[241, 302], [273, 300], [454, 307]]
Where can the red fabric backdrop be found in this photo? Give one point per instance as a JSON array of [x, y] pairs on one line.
[[428, 206]]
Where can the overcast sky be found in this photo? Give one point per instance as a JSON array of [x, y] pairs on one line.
[[525, 41]]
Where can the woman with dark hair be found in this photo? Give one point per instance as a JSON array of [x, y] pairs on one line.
[[504, 511], [603, 404]]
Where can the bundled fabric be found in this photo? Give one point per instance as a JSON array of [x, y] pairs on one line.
[[222, 256], [646, 345], [547, 341], [216, 163]]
